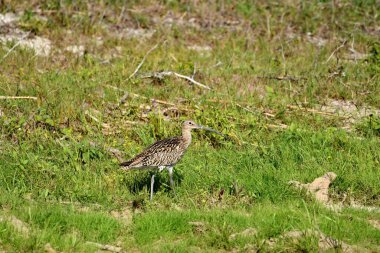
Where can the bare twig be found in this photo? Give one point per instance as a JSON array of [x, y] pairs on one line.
[[18, 97], [162, 74], [14, 46], [336, 50], [282, 126], [142, 62]]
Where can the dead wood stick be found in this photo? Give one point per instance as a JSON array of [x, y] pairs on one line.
[[162, 74], [143, 60], [282, 126], [18, 97]]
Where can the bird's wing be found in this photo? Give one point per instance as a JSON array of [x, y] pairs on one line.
[[155, 154]]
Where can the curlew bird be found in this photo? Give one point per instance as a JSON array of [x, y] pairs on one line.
[[165, 154]]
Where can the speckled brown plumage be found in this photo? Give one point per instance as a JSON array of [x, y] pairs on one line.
[[162, 153]]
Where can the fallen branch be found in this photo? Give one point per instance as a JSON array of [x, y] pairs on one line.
[[142, 62], [162, 74], [282, 126], [18, 97]]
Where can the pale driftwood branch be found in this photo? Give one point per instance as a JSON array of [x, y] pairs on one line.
[[162, 74], [282, 126], [18, 97], [15, 45], [142, 62], [336, 50]]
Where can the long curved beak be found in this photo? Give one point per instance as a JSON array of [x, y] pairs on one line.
[[211, 130]]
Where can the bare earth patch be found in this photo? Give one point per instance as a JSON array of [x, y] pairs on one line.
[[124, 215], [10, 33], [351, 112], [375, 223]]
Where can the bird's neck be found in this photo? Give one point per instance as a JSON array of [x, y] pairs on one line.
[[186, 135]]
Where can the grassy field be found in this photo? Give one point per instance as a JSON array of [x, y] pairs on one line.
[[295, 85]]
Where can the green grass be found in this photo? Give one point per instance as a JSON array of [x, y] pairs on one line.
[[66, 190]]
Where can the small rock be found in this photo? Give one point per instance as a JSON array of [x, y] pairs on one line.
[[319, 187]]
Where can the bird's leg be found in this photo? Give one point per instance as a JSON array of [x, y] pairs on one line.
[[160, 168], [151, 187], [170, 170]]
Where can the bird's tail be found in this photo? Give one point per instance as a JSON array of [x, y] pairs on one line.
[[125, 165]]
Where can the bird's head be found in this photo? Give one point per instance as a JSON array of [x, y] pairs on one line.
[[188, 125]]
